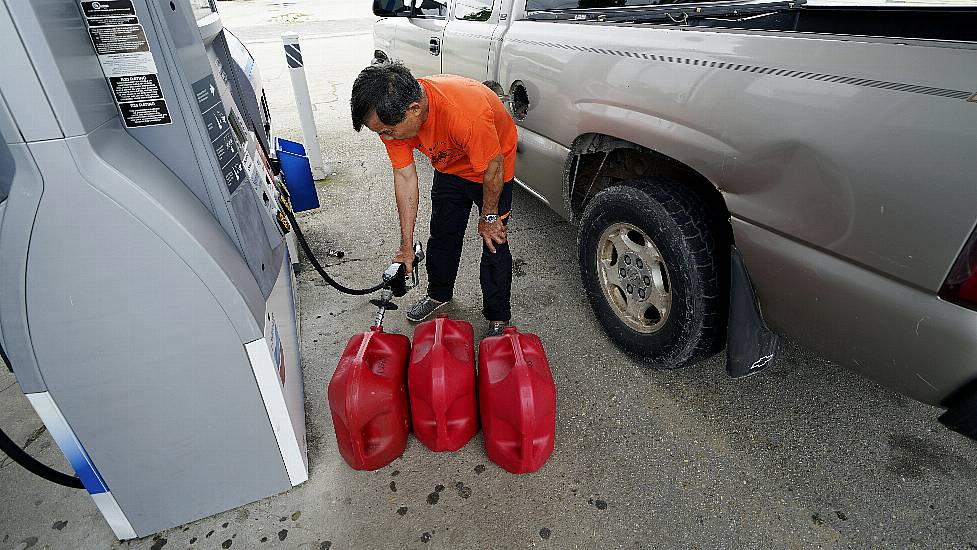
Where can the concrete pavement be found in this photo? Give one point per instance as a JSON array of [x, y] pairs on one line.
[[805, 455]]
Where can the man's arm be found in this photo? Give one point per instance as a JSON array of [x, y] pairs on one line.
[[405, 190], [492, 233]]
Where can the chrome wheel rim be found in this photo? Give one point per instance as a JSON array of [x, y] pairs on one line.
[[634, 277]]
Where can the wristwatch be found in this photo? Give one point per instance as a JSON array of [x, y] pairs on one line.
[[490, 218]]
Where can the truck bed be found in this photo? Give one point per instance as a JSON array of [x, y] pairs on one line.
[[954, 23]]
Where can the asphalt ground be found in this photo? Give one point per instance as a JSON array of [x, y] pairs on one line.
[[803, 455]]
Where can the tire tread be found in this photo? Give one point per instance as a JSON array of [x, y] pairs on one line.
[[700, 236]]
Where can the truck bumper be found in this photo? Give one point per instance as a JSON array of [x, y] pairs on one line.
[[904, 337]]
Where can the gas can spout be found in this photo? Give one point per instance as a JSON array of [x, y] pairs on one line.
[[383, 304]]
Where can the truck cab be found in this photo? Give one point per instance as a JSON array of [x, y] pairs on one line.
[[446, 36]]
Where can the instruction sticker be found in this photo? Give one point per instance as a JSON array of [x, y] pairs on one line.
[[108, 21], [225, 149], [141, 87], [220, 132], [122, 50], [233, 173], [206, 93], [127, 62], [119, 39], [145, 113], [216, 122]]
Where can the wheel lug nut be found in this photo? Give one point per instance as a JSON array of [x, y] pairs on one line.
[[627, 260], [623, 272], [641, 293], [630, 289], [647, 280], [639, 263]]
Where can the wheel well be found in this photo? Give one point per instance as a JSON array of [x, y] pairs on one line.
[[598, 161]]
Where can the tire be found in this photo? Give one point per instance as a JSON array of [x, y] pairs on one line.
[[681, 317]]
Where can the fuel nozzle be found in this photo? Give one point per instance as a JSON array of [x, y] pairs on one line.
[[397, 284], [396, 275]]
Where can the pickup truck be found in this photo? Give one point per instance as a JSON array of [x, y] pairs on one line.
[[827, 152]]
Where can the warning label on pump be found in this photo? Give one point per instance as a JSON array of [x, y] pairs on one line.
[[145, 113], [109, 21], [106, 8], [124, 54], [140, 87], [125, 64], [119, 39]]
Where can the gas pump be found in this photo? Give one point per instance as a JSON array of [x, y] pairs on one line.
[[147, 305]]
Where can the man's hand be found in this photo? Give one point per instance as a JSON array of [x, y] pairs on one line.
[[405, 256], [492, 233]]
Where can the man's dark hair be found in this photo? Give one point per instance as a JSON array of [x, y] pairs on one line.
[[386, 88]]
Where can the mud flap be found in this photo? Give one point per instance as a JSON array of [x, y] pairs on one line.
[[961, 414], [750, 345]]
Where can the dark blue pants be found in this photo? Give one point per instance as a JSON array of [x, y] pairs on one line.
[[452, 198]]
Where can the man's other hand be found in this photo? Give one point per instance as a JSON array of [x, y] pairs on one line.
[[405, 256], [492, 233]]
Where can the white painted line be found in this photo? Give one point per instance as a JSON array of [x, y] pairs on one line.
[[266, 374]]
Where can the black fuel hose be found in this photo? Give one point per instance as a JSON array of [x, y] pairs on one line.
[[30, 463], [318, 267]]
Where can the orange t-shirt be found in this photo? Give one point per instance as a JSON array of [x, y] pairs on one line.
[[467, 126]]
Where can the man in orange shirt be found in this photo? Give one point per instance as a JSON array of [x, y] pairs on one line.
[[470, 138]]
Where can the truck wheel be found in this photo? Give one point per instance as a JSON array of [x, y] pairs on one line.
[[654, 271]]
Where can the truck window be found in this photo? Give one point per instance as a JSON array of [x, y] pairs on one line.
[[473, 10], [435, 9]]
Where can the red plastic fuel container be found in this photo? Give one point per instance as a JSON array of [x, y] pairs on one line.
[[368, 399], [441, 382], [518, 401]]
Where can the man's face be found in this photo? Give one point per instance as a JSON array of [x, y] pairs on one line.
[[406, 129]]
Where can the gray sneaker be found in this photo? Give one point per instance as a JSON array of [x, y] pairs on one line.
[[423, 309], [495, 328]]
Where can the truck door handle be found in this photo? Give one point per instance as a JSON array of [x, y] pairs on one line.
[[435, 46]]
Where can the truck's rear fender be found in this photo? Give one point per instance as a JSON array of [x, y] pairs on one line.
[[622, 144], [598, 161]]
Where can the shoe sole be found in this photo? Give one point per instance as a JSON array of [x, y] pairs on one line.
[[430, 313]]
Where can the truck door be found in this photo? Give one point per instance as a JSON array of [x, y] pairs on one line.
[[468, 38], [419, 41]]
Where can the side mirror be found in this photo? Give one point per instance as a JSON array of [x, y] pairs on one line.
[[392, 8]]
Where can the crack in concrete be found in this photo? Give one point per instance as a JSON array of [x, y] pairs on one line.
[[30, 439], [33, 437], [12, 384]]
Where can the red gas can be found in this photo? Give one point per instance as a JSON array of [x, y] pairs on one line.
[[441, 381], [518, 401], [368, 399]]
